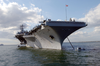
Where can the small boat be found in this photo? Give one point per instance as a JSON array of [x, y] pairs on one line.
[[23, 45]]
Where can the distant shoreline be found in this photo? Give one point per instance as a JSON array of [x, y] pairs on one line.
[[63, 42], [84, 41]]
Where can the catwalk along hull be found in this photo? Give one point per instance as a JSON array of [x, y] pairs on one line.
[[52, 34]]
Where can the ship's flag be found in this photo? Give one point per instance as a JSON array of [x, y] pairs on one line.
[[66, 5]]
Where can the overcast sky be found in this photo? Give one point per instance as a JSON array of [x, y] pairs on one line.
[[13, 13]]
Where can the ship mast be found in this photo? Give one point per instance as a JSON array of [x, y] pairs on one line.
[[22, 28]]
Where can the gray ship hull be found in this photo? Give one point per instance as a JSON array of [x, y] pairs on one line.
[[51, 34]]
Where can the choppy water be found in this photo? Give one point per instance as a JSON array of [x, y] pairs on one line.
[[14, 56]]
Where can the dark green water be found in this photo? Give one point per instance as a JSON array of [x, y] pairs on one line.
[[14, 56]]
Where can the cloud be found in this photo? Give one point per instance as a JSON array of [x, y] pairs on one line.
[[92, 31], [12, 15], [92, 17], [97, 29]]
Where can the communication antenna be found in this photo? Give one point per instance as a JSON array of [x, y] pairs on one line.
[[66, 11]]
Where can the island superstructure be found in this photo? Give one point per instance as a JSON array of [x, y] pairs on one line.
[[20, 35], [50, 34]]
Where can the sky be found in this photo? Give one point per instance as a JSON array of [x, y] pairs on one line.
[[14, 13]]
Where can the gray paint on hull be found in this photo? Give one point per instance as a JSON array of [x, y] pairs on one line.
[[64, 32]]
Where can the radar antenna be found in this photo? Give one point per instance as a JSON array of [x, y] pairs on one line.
[[22, 28]]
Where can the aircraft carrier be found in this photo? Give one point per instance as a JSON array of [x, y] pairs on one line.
[[49, 34]]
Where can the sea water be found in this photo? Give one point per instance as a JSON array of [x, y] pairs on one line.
[[14, 56]]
